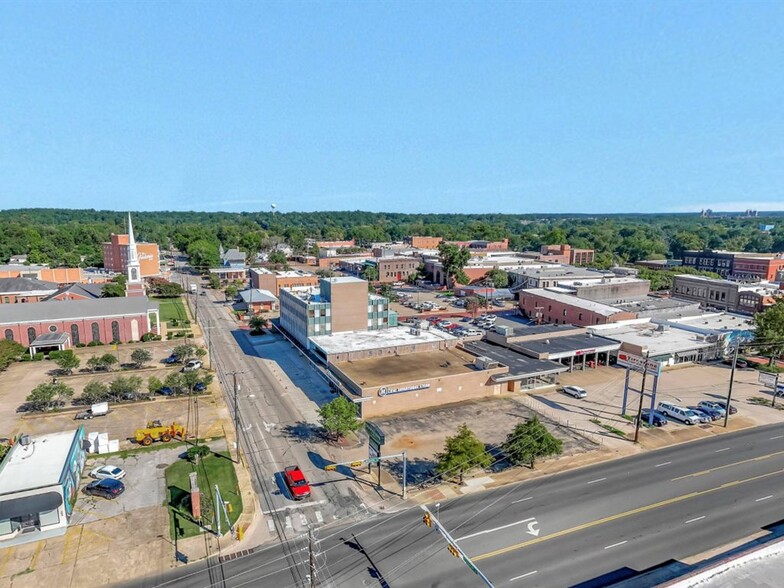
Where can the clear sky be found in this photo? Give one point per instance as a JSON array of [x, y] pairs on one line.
[[518, 107]]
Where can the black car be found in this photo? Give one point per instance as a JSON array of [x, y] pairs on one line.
[[658, 418], [171, 359], [723, 404], [107, 488]]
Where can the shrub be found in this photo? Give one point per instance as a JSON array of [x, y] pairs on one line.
[[38, 356], [196, 452], [80, 345], [150, 337], [94, 344]]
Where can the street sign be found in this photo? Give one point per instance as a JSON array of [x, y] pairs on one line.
[[374, 451], [636, 363], [330, 468], [356, 464], [375, 433], [768, 380]]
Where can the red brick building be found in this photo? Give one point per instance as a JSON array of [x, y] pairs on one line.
[[545, 306], [764, 268]]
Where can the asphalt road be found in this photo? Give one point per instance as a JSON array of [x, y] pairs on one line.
[[587, 527], [276, 426]]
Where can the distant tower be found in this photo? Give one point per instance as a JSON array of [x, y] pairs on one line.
[[134, 285]]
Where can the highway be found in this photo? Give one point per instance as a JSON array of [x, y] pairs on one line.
[[586, 527]]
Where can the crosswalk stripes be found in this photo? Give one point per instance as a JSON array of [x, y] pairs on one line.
[[319, 518]]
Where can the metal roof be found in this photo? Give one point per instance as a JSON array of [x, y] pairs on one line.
[[48, 339], [560, 347], [56, 310], [25, 285], [519, 365]]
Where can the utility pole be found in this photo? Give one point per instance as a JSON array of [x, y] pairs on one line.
[[311, 559], [236, 407], [642, 397], [732, 379]]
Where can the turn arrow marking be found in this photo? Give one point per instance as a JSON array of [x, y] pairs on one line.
[[533, 528]]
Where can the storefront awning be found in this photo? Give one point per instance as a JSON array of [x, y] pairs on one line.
[[27, 505]]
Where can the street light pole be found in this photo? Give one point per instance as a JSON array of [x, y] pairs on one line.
[[732, 379]]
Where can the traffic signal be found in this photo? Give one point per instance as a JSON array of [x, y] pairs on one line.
[[426, 519], [453, 550]]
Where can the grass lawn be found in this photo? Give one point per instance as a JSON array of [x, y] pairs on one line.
[[213, 469], [171, 309]]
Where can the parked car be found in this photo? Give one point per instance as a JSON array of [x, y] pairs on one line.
[[109, 489], [702, 415], [171, 359], [658, 418], [703, 404], [296, 482], [574, 391], [193, 365], [166, 391], [739, 364], [713, 413], [723, 405], [200, 387], [680, 413], [107, 472]]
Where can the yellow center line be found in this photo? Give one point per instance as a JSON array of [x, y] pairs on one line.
[[729, 465], [621, 515]]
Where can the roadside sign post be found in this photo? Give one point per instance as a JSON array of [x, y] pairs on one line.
[[645, 366], [377, 460], [770, 381]]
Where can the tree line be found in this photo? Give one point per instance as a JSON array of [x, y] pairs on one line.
[[73, 237]]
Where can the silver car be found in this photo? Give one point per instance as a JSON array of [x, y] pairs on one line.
[[575, 391]]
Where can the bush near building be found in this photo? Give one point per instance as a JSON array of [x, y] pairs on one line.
[[10, 351], [462, 453]]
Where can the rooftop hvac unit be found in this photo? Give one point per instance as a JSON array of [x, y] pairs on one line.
[[485, 363], [415, 331], [504, 330], [24, 440]]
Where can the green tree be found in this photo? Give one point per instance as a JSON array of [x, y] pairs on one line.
[[154, 384], [189, 381], [555, 236], [462, 453], [339, 417], [387, 292], [200, 353], [109, 360], [49, 396], [112, 290], [230, 292], [278, 258], [370, 273], [95, 392], [213, 281], [168, 289], [95, 363], [769, 334], [498, 278], [454, 259], [204, 254], [325, 273], [140, 357], [125, 385], [184, 352], [196, 452], [67, 361], [256, 323], [472, 304], [10, 351], [529, 441]]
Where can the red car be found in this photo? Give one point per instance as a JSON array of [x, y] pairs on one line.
[[297, 483]]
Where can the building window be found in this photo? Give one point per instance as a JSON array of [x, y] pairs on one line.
[[580, 316], [115, 331], [96, 332], [75, 334], [30, 335], [9, 335], [52, 328], [564, 312]]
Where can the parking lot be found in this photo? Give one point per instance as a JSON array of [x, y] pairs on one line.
[[415, 301]]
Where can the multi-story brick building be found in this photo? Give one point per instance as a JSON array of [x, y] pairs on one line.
[[765, 268], [554, 307], [725, 294], [419, 242], [116, 255], [394, 269], [264, 279]]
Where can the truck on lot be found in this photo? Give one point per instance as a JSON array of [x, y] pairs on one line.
[[155, 431], [193, 288], [96, 410]]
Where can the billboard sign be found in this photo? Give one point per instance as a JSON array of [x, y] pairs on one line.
[[638, 364], [768, 380], [375, 433]]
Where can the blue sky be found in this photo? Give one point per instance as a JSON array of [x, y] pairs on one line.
[[517, 107]]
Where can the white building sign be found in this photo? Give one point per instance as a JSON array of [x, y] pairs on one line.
[[389, 391]]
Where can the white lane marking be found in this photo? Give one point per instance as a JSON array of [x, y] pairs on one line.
[[288, 523], [522, 500], [777, 437], [271, 525], [495, 529], [599, 480], [319, 517], [662, 464], [523, 576], [303, 519], [616, 544], [294, 506], [763, 498], [694, 520], [720, 450]]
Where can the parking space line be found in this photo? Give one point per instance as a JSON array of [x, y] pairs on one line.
[[288, 523], [271, 525], [303, 519], [319, 517], [694, 520], [616, 544]]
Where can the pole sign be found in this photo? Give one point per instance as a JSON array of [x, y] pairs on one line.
[[374, 452], [375, 433], [768, 380], [638, 364]]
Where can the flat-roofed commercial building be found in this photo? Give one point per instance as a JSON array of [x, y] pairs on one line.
[[554, 307], [39, 483], [265, 279], [394, 269], [393, 384], [338, 305], [356, 345]]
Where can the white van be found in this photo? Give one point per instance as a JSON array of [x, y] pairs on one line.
[[678, 412]]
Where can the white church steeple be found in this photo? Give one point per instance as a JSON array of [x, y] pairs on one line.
[[134, 285]]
